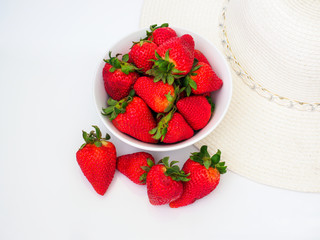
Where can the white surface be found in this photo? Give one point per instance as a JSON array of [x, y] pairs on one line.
[[49, 52], [221, 98]]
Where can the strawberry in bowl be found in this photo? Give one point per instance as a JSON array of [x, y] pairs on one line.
[[168, 90]]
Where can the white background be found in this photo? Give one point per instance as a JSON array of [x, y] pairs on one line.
[[49, 52]]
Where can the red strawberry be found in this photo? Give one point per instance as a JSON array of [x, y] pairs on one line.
[[164, 182], [141, 53], [160, 34], [119, 76], [202, 79], [187, 40], [204, 176], [178, 129], [174, 59], [200, 56], [196, 110], [97, 160], [172, 128], [158, 96], [132, 116], [135, 166]]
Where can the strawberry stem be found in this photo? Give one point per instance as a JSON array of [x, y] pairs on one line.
[[94, 137], [117, 107], [143, 176], [172, 99], [154, 27], [161, 130], [211, 103], [141, 42], [174, 171], [123, 64], [164, 69], [203, 157], [188, 82]]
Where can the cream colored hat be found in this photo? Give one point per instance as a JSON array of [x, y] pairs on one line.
[[271, 133]]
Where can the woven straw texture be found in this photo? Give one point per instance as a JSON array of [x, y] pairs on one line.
[[278, 45]]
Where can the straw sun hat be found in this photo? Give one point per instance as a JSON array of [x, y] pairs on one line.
[[271, 133]]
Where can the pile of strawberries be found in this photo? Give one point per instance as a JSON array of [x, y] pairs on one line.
[[160, 90], [166, 183]]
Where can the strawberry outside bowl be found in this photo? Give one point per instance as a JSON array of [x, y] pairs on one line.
[[221, 98]]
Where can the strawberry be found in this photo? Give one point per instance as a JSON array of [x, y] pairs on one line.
[[160, 34], [204, 176], [97, 160], [200, 56], [158, 96], [119, 76], [202, 79], [141, 53], [132, 116], [135, 166], [164, 182], [174, 59], [172, 128], [196, 110]]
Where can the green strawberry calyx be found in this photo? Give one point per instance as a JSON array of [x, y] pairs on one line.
[[123, 64], [213, 106], [116, 107], [173, 99], [143, 176], [174, 171], [94, 137], [154, 27], [163, 69], [203, 157], [188, 82], [160, 131], [141, 42]]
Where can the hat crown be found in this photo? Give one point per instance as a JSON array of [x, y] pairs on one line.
[[278, 45]]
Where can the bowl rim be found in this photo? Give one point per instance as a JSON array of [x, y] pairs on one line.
[[165, 147]]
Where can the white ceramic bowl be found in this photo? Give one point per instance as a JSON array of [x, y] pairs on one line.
[[221, 98]]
